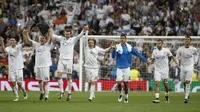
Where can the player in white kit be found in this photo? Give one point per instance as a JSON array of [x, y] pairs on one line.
[[160, 58], [187, 57], [42, 61], [65, 62], [16, 65], [91, 62]]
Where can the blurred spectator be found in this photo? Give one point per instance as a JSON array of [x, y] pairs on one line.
[[135, 74]]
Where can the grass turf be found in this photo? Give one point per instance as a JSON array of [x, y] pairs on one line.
[[104, 102]]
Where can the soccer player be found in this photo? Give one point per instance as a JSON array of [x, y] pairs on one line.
[[123, 53], [187, 56], [161, 57], [91, 62], [42, 62], [16, 65], [65, 62]]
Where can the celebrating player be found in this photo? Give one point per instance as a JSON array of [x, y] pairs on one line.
[[16, 65], [65, 62], [187, 56], [123, 54], [160, 56], [43, 62], [91, 62]]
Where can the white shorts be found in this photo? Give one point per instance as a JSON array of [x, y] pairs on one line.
[[65, 66], [16, 75], [123, 74], [161, 75], [91, 74], [186, 75], [42, 73]]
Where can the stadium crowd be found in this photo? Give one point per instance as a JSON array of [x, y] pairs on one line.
[[104, 17]]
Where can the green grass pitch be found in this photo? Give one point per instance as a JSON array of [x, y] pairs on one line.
[[104, 102]]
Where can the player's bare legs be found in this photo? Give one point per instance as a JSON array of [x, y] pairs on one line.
[[187, 91], [69, 79], [120, 90], [40, 84], [23, 90], [166, 91], [157, 90], [92, 89], [46, 86], [126, 92], [60, 83], [15, 91]]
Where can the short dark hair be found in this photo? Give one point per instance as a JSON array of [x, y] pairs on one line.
[[187, 36], [123, 35], [93, 41], [160, 40], [68, 27]]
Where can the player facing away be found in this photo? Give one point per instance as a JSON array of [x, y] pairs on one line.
[[65, 62], [16, 65], [187, 56], [123, 53], [42, 62], [160, 58], [91, 62]]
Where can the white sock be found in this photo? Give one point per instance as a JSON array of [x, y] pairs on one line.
[[69, 86], [15, 91], [187, 91], [121, 92], [40, 84], [157, 95], [126, 96], [166, 93], [60, 83], [92, 89], [86, 86], [47, 90], [23, 90]]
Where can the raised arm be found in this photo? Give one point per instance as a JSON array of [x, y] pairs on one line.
[[76, 38], [136, 53], [57, 37], [50, 31], [86, 39], [27, 39]]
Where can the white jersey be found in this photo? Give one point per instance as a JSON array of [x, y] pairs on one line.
[[42, 54], [187, 57], [67, 46], [92, 54], [15, 58], [161, 59]]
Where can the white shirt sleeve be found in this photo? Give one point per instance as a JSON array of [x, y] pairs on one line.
[[57, 38], [169, 54], [75, 39], [34, 44], [178, 54], [152, 56]]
